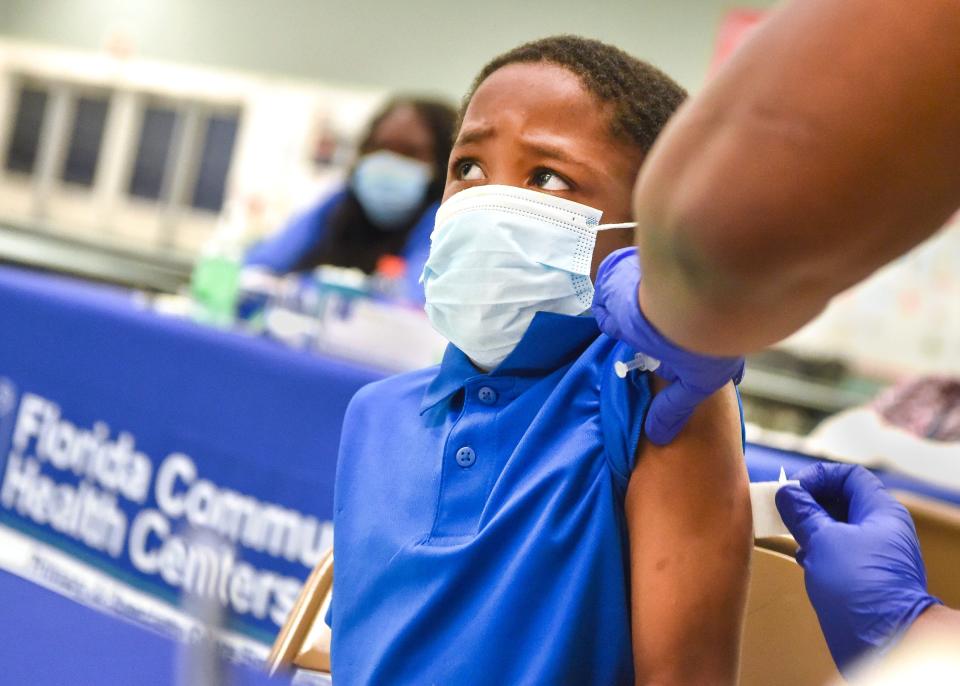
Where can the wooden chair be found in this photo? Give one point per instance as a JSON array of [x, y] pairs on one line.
[[782, 641], [304, 639], [938, 528]]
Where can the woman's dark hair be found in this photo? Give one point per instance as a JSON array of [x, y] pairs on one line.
[[440, 118], [351, 239], [642, 97]]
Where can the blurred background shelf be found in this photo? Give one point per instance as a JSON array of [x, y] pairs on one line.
[[150, 270]]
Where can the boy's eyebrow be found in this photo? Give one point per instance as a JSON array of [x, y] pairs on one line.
[[551, 151], [474, 135], [539, 147], [546, 148], [480, 133]]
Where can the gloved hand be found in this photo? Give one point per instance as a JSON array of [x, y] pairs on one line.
[[693, 377], [860, 556]]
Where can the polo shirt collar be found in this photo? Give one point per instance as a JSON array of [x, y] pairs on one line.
[[550, 341]]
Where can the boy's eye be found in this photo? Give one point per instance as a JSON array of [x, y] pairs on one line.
[[469, 171], [549, 181]]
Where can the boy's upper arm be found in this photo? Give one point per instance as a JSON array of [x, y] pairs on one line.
[[690, 529]]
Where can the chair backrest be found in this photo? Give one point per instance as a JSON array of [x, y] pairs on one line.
[[782, 641], [304, 639], [938, 528]]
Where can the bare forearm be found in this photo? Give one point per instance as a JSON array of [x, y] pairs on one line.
[[688, 513], [828, 146], [937, 621]]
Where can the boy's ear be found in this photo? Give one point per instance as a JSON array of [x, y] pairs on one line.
[[607, 242]]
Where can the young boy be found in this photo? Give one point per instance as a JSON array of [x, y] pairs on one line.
[[499, 519]]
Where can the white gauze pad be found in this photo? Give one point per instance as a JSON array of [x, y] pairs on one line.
[[766, 518]]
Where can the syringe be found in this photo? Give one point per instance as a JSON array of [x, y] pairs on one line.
[[642, 362]]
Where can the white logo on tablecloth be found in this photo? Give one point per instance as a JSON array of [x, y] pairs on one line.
[[93, 485], [8, 396]]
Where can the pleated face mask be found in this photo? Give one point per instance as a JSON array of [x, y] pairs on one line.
[[499, 255]]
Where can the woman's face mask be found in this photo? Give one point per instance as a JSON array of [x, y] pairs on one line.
[[390, 187], [499, 255]]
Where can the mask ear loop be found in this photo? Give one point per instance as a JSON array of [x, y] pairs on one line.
[[623, 225], [605, 227]]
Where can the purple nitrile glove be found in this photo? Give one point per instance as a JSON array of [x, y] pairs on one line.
[[860, 556], [693, 377]]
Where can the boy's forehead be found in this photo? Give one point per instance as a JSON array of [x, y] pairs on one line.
[[539, 93]]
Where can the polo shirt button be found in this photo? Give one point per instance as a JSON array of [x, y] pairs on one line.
[[487, 395], [466, 456]]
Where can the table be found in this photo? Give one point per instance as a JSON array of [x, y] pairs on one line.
[[130, 425], [85, 647], [119, 426], [764, 462]]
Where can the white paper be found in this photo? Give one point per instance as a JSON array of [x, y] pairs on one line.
[[766, 518]]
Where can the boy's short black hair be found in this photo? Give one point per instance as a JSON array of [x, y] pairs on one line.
[[642, 97]]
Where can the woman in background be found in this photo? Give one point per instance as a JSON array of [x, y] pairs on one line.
[[387, 206]]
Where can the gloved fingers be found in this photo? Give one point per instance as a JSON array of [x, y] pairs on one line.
[[825, 482], [825, 479], [607, 320], [611, 262], [619, 271], [669, 412], [839, 481], [737, 376], [868, 497], [666, 372], [600, 313], [615, 292], [848, 491], [801, 513]]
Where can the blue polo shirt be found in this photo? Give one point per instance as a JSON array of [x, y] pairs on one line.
[[479, 518]]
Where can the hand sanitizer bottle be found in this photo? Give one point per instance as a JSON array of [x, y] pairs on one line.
[[216, 276]]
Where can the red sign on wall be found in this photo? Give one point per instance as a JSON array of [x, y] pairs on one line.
[[736, 26]]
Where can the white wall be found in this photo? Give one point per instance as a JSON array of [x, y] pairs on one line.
[[903, 320], [906, 318], [271, 160], [429, 45]]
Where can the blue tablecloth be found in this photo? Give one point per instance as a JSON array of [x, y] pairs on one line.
[[49, 640], [123, 426], [763, 464], [118, 427]]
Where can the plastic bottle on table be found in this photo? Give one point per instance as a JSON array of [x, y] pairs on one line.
[[388, 283], [216, 276]]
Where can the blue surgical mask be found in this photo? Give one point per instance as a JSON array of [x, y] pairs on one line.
[[499, 255], [390, 187]]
